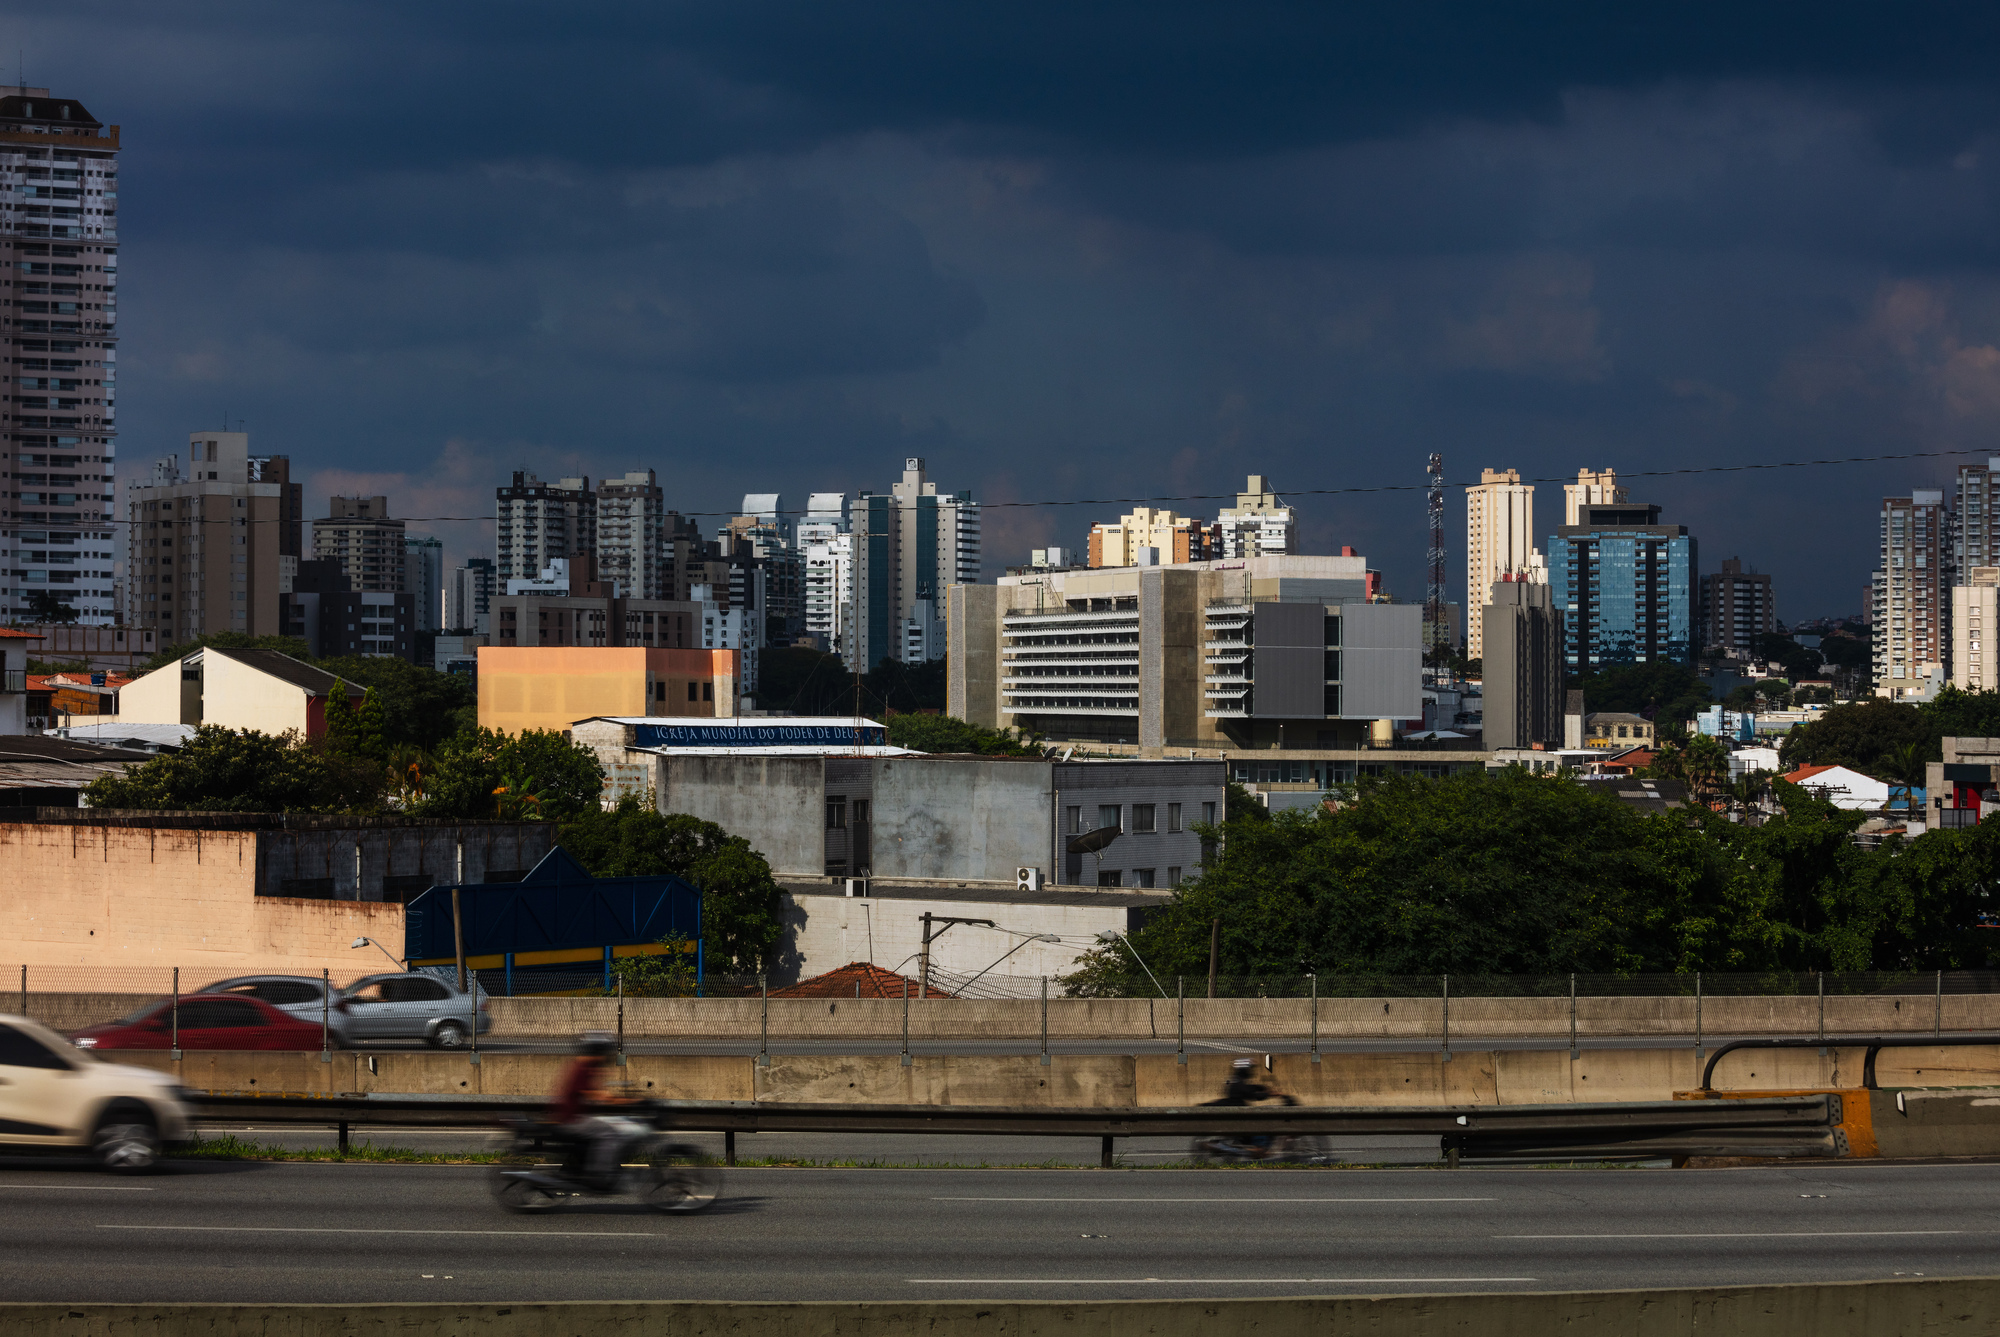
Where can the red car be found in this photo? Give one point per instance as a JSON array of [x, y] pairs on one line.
[[207, 1021]]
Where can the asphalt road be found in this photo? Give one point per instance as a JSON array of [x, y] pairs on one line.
[[296, 1233]]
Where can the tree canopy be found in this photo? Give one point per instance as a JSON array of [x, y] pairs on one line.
[[241, 770], [535, 775], [420, 707], [1525, 874], [945, 733], [1874, 736], [1658, 689], [742, 907]]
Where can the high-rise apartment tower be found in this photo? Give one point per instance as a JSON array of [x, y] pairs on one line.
[[1499, 542], [203, 543], [1911, 593], [537, 521], [911, 544], [59, 340], [631, 547]]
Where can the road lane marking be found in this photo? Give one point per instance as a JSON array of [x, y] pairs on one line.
[[87, 1188], [1218, 1200], [1207, 1281], [349, 1230], [1756, 1235]]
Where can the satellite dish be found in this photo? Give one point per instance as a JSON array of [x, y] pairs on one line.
[[1090, 842]]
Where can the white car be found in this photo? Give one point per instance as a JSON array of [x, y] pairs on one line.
[[56, 1096]]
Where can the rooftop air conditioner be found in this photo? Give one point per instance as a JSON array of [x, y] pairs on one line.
[[856, 886], [1027, 879]]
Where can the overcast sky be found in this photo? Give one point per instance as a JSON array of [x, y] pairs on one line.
[[1066, 251]]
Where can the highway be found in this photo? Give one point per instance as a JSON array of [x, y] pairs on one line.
[[344, 1233]]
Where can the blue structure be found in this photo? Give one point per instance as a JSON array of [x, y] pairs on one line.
[[1626, 586], [1738, 726], [557, 927]]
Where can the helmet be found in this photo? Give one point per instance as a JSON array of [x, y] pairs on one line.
[[1240, 1066], [596, 1044]]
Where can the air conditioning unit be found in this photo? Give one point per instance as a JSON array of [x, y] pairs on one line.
[[856, 886], [1027, 879]]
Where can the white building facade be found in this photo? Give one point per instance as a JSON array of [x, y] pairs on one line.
[[911, 544], [1973, 605], [536, 521], [1258, 525], [631, 535]]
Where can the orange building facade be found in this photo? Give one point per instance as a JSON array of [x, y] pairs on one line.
[[552, 687]]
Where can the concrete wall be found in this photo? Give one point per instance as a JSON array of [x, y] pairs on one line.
[[972, 678], [952, 818], [778, 802], [828, 932], [1821, 1309], [327, 854]]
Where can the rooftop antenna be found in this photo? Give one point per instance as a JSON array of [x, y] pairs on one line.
[[1437, 634]]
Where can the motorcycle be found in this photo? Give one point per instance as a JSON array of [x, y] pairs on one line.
[[541, 1166], [1261, 1149]]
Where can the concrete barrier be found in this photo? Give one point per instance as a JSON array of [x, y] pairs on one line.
[[1163, 1018], [1969, 1305]]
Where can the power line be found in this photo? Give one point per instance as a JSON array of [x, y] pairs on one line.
[[1141, 501]]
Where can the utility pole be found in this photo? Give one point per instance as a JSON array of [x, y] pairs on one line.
[[932, 931]]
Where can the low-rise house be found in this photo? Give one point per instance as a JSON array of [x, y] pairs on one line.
[[264, 690], [1617, 729], [1841, 787]]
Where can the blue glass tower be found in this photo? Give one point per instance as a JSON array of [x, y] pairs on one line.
[[1626, 584]]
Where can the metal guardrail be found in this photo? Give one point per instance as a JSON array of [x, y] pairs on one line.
[[1771, 1126], [1874, 1045]]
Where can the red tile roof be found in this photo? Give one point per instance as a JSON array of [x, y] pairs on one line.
[[857, 979], [1805, 773], [22, 635]]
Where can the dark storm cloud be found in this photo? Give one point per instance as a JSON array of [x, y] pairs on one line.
[[1062, 250]]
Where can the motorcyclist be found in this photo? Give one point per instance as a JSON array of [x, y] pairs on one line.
[[582, 1086], [1243, 1088]]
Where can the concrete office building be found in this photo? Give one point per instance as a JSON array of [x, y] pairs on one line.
[[423, 576], [1172, 538], [1263, 652], [1973, 663], [631, 535], [468, 596], [822, 812], [535, 521], [203, 543], [1591, 488], [1258, 525], [911, 543], [1499, 541], [1522, 632], [358, 535], [324, 610], [1625, 584], [1736, 608], [59, 338], [1911, 594]]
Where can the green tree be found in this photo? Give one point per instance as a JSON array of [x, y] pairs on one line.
[[1858, 735], [1958, 714], [896, 685], [669, 974], [1513, 872], [419, 706], [944, 733], [1658, 689], [805, 681], [742, 904], [483, 773], [241, 770], [46, 607], [231, 640]]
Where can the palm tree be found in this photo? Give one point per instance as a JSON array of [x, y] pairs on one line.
[[1906, 765], [1706, 767]]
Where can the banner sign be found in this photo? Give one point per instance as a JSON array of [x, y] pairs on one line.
[[775, 734]]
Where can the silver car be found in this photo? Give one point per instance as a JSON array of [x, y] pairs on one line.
[[297, 996], [412, 1006]]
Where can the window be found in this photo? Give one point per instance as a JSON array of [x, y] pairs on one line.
[[1142, 819], [861, 812], [1110, 878], [1208, 814], [1173, 817], [1108, 815], [1142, 877], [1173, 877], [21, 1050], [836, 814], [220, 1014], [708, 691], [1075, 822]]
